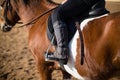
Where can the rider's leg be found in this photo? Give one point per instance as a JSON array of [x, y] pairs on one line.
[[61, 33]]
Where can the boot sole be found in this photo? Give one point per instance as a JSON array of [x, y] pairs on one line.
[[62, 61]]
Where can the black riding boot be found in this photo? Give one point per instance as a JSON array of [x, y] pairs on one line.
[[61, 53]]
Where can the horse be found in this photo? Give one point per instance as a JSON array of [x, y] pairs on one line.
[[100, 37]]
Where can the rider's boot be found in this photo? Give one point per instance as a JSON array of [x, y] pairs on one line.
[[61, 53]]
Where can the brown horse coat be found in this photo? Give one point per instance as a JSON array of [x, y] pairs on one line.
[[101, 39]]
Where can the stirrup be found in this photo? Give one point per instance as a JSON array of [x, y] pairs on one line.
[[49, 57]]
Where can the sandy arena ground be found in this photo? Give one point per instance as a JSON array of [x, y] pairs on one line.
[[16, 61]]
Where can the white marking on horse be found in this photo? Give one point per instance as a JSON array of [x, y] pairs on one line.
[[70, 67]]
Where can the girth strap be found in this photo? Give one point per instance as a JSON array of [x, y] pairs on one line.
[[82, 42]]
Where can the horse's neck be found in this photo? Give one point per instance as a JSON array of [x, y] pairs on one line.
[[38, 30]]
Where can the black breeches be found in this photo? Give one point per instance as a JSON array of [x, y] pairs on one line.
[[69, 10]]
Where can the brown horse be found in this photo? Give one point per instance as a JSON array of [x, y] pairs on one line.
[[101, 41]]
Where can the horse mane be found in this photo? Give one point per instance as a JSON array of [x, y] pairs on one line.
[[30, 2], [33, 2], [48, 4]]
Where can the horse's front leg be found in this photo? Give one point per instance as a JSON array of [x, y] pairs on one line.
[[66, 76], [45, 70]]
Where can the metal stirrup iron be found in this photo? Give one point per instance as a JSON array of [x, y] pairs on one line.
[[46, 53]]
